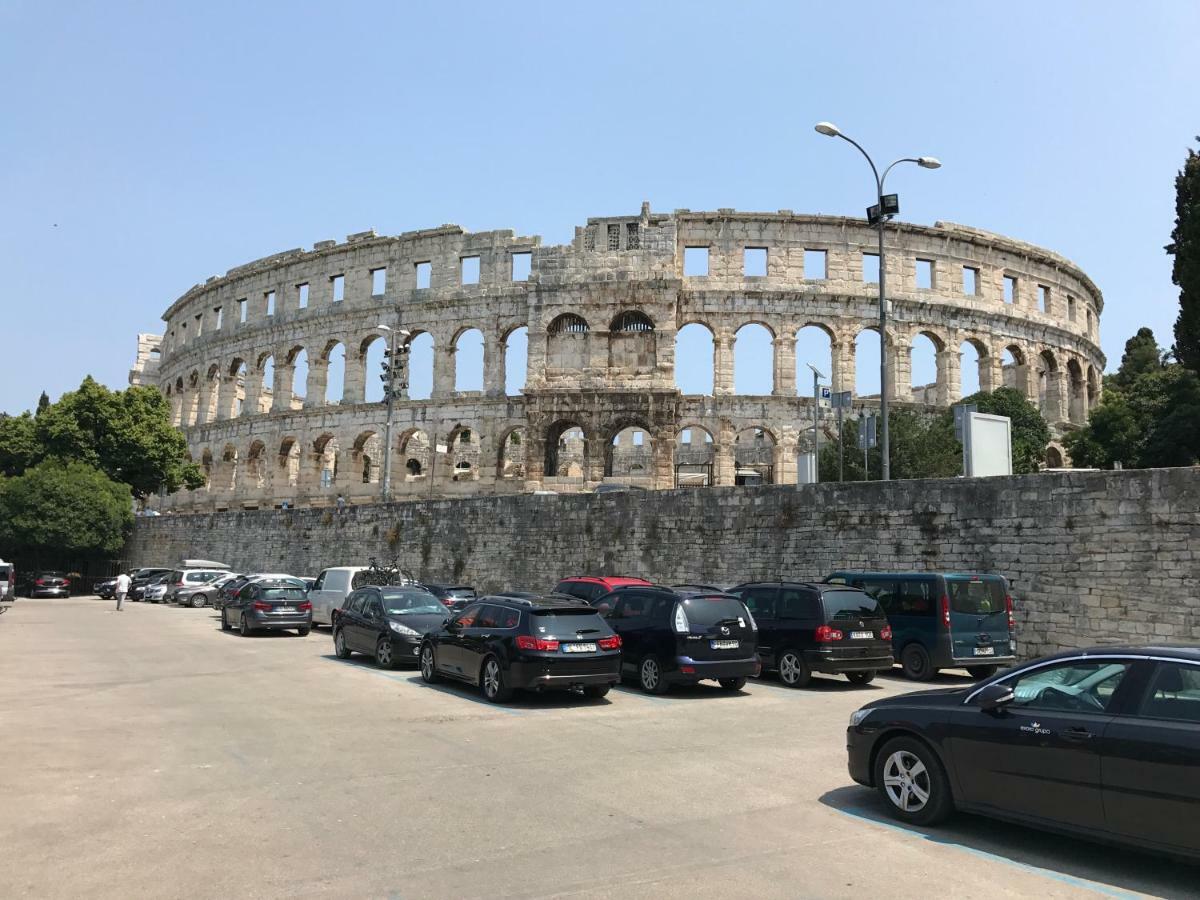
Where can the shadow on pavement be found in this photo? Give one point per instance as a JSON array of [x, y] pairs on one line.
[[820, 683], [1072, 860]]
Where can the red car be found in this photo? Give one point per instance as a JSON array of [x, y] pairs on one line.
[[591, 587]]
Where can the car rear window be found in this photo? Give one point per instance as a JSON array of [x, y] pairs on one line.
[[976, 596], [851, 605], [711, 610], [569, 622], [283, 593], [195, 577], [411, 602]]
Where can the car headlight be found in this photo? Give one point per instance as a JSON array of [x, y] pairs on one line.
[[403, 629], [856, 717]]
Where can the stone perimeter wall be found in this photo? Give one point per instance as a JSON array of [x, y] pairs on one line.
[[1094, 557]]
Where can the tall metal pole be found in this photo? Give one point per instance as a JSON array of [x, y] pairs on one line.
[[816, 418], [387, 431], [841, 446], [884, 448]]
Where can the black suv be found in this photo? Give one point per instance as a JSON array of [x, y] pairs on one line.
[[386, 622], [682, 637], [504, 644], [829, 628]]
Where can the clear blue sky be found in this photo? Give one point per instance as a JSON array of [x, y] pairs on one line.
[[147, 146]]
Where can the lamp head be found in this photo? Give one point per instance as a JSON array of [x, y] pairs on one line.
[[828, 129], [929, 162], [382, 327]]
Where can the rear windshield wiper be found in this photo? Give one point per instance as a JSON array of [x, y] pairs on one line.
[[587, 631]]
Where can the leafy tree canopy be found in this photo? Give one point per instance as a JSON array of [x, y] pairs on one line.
[[69, 507], [1185, 272]]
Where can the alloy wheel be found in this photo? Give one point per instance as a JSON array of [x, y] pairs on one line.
[[906, 781], [650, 674], [427, 664], [339, 644], [789, 668], [383, 653], [491, 678]]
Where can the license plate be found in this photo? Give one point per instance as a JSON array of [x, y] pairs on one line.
[[985, 651], [579, 648], [861, 635], [724, 645], [285, 609]]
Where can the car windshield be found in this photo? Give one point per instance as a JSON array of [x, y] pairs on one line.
[[283, 593], [405, 603], [711, 610], [583, 622], [851, 605], [976, 596]]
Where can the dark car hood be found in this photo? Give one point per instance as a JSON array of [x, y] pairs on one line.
[[938, 697], [424, 622]]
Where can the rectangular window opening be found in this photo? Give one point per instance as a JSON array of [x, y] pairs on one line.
[[470, 270], [925, 274], [219, 316], [614, 237], [199, 325], [522, 265], [686, 436], [339, 287], [302, 296], [1070, 308], [1010, 289], [695, 261], [870, 263], [633, 236], [378, 282], [638, 438], [816, 265], [970, 281], [1043, 298], [424, 274], [754, 262], [270, 298], [242, 309]]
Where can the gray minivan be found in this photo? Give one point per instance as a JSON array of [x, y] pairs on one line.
[[943, 620]]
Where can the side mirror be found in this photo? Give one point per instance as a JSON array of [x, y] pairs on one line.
[[994, 697], [452, 625]]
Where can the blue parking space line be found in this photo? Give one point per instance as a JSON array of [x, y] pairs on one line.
[[408, 679], [994, 857]]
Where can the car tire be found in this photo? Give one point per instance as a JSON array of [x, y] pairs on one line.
[[981, 672], [650, 676], [793, 670], [912, 781], [428, 666], [732, 684], [385, 654], [303, 632], [198, 601], [491, 681], [596, 691], [244, 627], [340, 650], [860, 677], [915, 662], [225, 626]]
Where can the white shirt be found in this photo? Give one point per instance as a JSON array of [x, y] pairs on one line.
[[122, 583]]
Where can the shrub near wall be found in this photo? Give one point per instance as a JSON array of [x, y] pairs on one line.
[[1094, 556]]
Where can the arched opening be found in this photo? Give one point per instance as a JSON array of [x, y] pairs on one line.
[[299, 386], [237, 371], [1076, 393], [212, 392], [566, 451], [335, 371], [415, 450], [630, 454], [631, 321], [754, 457], [463, 457], [468, 361], [229, 469], [326, 454], [372, 352], [511, 461], [754, 360], [366, 451], [814, 346], [866, 363], [1047, 385], [694, 359], [632, 348], [420, 366], [1093, 387], [1054, 457], [516, 361], [567, 343], [266, 390], [924, 367], [289, 462], [695, 457], [206, 465], [972, 376], [256, 472]]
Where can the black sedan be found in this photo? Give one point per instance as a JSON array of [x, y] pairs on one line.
[[268, 606], [505, 644], [49, 584], [387, 623], [1102, 743]]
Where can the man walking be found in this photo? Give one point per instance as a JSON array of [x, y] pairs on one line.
[[122, 588]]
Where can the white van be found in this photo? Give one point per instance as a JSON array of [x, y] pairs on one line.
[[8, 584], [331, 588]]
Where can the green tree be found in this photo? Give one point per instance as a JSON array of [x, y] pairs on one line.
[[19, 446], [922, 446], [63, 507], [43, 402], [1141, 357], [1185, 272]]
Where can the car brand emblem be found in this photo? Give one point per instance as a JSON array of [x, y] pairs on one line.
[[862, 624], [724, 629]]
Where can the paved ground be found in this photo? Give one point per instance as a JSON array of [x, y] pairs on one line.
[[148, 754]]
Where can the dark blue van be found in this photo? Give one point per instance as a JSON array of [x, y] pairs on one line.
[[942, 620]]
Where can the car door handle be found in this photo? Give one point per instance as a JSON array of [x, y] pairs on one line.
[[1076, 734], [485, 637]]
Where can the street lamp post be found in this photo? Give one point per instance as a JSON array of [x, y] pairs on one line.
[[817, 376], [878, 215], [390, 387]]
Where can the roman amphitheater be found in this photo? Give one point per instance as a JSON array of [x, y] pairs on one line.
[[272, 370]]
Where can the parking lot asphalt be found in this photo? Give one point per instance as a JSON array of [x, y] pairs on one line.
[[148, 754]]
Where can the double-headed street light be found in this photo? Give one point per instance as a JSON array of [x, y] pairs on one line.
[[887, 205], [390, 387]]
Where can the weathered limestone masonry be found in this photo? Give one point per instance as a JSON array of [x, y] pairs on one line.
[[1094, 556], [602, 315]]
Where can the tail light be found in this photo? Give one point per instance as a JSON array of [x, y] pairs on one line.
[[885, 633], [1008, 605], [946, 612], [449, 601], [262, 605], [610, 643], [66, 583], [529, 642], [304, 607], [827, 634]]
